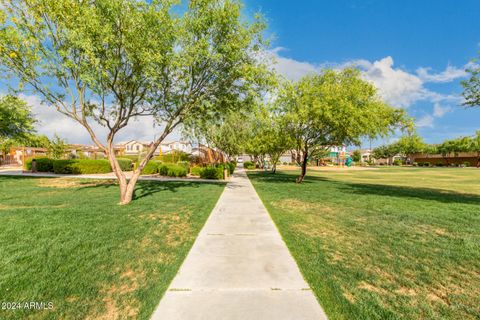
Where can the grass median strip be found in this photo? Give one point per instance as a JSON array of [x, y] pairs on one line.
[[383, 244], [67, 241]]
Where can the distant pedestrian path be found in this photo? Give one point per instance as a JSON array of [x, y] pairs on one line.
[[239, 267]]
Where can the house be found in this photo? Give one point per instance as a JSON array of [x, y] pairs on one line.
[[135, 147], [169, 146]]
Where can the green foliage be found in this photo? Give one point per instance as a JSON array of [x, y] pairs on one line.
[[185, 164], [249, 165], [215, 173], [356, 156], [410, 144], [133, 158], [335, 108], [172, 170], [43, 164], [471, 87], [385, 151], [84, 166], [184, 64], [195, 171], [231, 166], [125, 164], [174, 157], [397, 162], [57, 147], [16, 118], [152, 167]]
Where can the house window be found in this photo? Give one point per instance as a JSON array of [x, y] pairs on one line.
[[138, 147]]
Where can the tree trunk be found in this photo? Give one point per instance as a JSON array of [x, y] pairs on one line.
[[304, 167]]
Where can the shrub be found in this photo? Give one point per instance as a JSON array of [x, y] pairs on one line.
[[125, 164], [176, 171], [415, 164], [92, 166], [231, 166], [172, 170], [81, 166], [439, 164], [152, 167], [185, 164], [212, 173], [397, 162], [43, 164], [195, 171], [174, 157], [249, 165], [466, 164], [134, 158]]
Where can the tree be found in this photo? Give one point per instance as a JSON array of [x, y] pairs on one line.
[[16, 118], [471, 87], [273, 139], [410, 144], [228, 136], [446, 148], [386, 152], [334, 108], [57, 147], [356, 156], [475, 147], [112, 61]]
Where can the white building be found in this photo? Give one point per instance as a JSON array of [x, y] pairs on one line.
[[134, 147], [168, 147]]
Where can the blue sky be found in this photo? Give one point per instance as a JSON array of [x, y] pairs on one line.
[[415, 51]]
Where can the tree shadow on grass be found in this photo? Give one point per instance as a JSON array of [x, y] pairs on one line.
[[431, 194], [270, 177], [148, 188]]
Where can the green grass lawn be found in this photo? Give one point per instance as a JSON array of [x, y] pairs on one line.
[[67, 241], [400, 243]]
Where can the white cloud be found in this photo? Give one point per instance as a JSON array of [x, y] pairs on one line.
[[448, 75], [397, 87], [425, 121], [290, 68], [52, 122], [439, 111]]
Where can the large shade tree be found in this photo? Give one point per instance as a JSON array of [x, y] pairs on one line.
[[410, 144], [16, 119], [108, 61], [334, 108], [471, 86]]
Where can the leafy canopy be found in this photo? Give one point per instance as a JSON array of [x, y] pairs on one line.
[[336, 108], [16, 118]]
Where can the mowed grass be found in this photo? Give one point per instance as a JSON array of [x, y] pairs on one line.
[[67, 242], [400, 243]]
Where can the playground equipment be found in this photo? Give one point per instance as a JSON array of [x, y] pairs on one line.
[[349, 161]]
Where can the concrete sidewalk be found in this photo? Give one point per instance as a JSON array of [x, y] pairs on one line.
[[239, 267]]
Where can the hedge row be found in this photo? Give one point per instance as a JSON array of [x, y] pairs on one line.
[[77, 166], [164, 169], [249, 165], [213, 172]]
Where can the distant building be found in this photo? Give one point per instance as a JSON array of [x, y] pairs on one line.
[[135, 147]]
